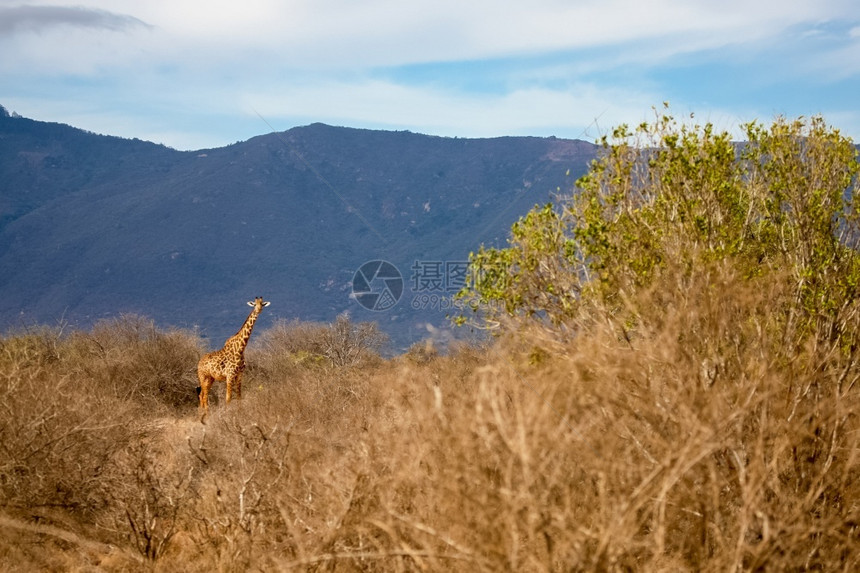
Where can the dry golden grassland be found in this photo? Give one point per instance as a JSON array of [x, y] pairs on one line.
[[692, 441]]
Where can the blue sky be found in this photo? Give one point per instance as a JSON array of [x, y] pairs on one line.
[[194, 74]]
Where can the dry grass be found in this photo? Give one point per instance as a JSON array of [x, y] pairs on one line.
[[696, 440]]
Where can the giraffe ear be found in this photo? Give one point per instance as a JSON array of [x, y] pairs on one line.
[[250, 303], [267, 303]]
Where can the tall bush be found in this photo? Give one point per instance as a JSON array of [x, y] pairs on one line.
[[670, 195]]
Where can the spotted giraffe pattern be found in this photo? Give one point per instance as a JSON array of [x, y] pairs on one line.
[[227, 364]]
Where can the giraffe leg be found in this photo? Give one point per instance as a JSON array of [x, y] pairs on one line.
[[230, 380], [205, 385], [238, 383]]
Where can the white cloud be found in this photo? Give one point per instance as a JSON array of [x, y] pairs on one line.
[[145, 69], [537, 111], [24, 18], [343, 34]]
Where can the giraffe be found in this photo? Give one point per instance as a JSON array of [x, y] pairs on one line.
[[228, 363]]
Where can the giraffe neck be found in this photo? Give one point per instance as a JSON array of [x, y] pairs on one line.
[[239, 341]]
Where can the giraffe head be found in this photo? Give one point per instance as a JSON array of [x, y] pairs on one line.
[[258, 303]]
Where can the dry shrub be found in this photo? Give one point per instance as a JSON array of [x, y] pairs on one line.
[[151, 489], [422, 352], [57, 434], [694, 441], [292, 364], [75, 409], [290, 346], [134, 359], [243, 463], [275, 480], [675, 431]]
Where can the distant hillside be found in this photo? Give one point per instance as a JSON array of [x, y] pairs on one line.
[[92, 226]]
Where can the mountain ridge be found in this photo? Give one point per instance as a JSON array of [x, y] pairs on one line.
[[92, 225]]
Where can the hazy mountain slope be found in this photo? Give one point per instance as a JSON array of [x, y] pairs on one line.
[[93, 226]]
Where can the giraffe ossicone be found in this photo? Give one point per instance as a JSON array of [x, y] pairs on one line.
[[227, 364]]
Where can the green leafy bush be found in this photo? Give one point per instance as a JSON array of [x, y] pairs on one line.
[[679, 197]]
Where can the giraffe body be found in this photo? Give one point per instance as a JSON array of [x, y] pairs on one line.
[[227, 364]]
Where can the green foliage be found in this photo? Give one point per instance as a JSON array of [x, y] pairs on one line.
[[685, 196], [536, 275]]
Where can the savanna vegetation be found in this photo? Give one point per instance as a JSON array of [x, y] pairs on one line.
[[671, 385]]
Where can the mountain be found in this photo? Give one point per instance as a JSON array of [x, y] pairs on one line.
[[93, 226]]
